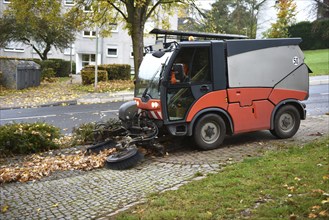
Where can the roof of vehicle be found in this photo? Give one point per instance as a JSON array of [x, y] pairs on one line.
[[183, 35]]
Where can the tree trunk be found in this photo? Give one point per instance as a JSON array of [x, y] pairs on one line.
[[138, 46], [137, 20]]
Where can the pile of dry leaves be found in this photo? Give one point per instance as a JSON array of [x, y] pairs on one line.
[[36, 166]]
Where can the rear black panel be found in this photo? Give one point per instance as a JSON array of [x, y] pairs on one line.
[[241, 46], [219, 65]]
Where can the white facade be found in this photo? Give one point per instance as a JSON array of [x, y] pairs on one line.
[[115, 49]]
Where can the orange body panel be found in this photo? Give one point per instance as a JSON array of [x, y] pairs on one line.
[[148, 104], [278, 95], [245, 96], [153, 106], [216, 99], [251, 118]]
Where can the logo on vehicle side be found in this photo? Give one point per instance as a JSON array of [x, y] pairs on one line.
[[295, 61]]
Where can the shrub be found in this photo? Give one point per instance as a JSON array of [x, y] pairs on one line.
[[88, 76], [118, 71], [61, 67], [83, 134], [89, 133], [114, 71], [315, 35], [48, 74], [24, 138]]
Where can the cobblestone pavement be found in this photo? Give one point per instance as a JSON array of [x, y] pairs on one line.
[[101, 193]]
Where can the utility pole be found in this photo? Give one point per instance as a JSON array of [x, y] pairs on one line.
[[96, 58]]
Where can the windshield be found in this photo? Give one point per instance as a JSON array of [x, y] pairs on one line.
[[149, 75]]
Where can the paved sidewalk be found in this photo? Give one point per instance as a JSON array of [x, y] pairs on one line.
[[102, 193]]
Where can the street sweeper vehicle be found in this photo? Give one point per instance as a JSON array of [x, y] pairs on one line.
[[220, 86]]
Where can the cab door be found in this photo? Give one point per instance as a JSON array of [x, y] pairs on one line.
[[188, 79]]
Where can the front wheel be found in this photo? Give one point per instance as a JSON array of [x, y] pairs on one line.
[[286, 122], [209, 132]]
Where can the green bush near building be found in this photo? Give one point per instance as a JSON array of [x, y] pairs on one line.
[[114, 71], [61, 67], [88, 76]]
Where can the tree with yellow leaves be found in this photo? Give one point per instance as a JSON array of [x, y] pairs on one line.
[[286, 12]]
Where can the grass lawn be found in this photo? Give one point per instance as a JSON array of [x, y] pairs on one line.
[[318, 61], [291, 183]]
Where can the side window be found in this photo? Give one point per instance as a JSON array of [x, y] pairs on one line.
[[180, 70], [200, 71], [191, 65]]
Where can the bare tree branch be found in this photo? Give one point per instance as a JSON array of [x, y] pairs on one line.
[[118, 9]]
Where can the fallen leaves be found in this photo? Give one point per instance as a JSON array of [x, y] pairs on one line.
[[38, 166], [46, 93], [320, 210], [4, 208], [60, 91]]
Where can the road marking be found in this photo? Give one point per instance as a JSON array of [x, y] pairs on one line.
[[324, 93], [109, 111], [90, 112], [30, 117]]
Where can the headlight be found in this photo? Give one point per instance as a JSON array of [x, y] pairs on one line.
[[154, 104]]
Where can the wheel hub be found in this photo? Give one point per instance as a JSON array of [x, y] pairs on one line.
[[287, 122], [210, 132]]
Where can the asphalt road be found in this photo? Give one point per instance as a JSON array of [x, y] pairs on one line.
[[67, 117], [318, 101], [64, 117]]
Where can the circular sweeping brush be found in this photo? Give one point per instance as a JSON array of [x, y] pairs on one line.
[[124, 159]]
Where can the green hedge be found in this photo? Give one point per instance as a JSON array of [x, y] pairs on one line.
[[115, 71], [88, 76], [24, 138], [315, 34], [62, 68]]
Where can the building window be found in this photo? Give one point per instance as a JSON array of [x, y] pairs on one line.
[[112, 51], [89, 33], [131, 52], [14, 47], [114, 27], [88, 59], [6, 1], [87, 8], [69, 2]]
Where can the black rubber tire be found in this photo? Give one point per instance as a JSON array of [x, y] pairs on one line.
[[209, 132], [124, 160], [286, 122]]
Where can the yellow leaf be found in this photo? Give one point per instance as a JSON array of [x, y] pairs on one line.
[[55, 205], [326, 177], [312, 215], [324, 213], [325, 201], [4, 208], [316, 207]]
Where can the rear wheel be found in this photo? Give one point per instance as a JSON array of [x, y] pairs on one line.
[[286, 122], [209, 131]]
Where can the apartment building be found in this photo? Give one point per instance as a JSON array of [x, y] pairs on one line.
[[115, 49]]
